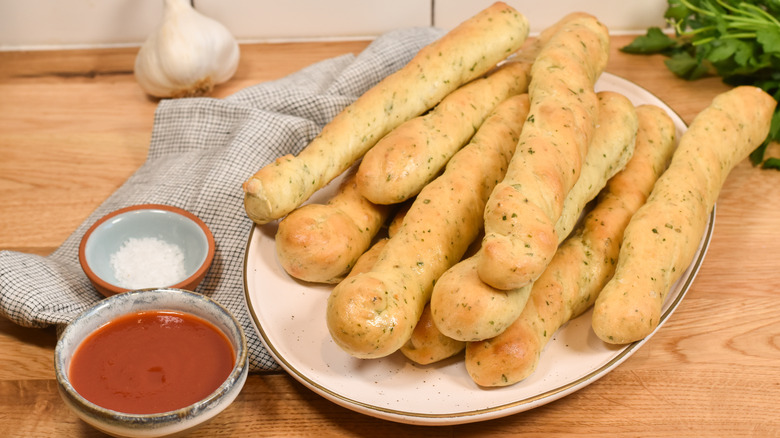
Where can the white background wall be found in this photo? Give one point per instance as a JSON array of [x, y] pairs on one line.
[[45, 24]]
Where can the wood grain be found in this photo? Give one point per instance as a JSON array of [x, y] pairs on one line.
[[74, 125]]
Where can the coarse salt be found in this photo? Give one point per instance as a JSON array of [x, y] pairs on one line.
[[148, 262]]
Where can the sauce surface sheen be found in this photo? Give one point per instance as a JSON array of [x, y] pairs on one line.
[[151, 362]]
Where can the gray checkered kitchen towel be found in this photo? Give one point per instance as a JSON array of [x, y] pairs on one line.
[[201, 151]]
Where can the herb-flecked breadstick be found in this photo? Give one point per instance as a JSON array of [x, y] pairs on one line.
[[521, 214], [413, 154], [465, 53], [468, 309], [533, 46], [321, 242], [610, 149], [398, 217], [372, 314], [662, 237], [368, 259], [427, 344], [582, 265]]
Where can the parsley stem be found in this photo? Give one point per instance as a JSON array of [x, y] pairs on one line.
[[732, 36], [766, 15], [696, 8], [729, 7], [736, 21]]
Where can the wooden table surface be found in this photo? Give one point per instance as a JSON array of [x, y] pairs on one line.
[[74, 125]]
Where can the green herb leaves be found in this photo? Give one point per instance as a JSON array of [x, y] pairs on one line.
[[738, 40], [655, 41]]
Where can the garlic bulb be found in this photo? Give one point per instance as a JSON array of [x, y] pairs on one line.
[[187, 55]]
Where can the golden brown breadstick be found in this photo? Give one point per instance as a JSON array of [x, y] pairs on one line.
[[368, 259], [533, 45], [582, 265], [427, 344], [612, 146], [465, 308], [468, 309], [398, 217], [465, 53], [414, 153], [373, 314], [662, 237], [521, 214], [320, 242]]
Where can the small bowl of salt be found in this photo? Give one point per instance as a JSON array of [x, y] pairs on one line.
[[146, 246]]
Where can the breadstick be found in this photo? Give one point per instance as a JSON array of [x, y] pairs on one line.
[[427, 344], [411, 155], [465, 53], [612, 146], [582, 265], [373, 314], [523, 209], [398, 217], [532, 46], [468, 309], [662, 237], [320, 242], [368, 259]]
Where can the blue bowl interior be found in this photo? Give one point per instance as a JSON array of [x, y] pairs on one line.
[[165, 225]]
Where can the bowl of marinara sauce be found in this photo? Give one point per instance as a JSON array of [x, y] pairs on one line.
[[153, 362]]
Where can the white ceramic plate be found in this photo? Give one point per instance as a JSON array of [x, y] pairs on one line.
[[290, 318]]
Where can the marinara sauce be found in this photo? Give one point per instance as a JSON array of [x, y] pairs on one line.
[[151, 362]]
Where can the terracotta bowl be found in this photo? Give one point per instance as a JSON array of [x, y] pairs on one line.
[[171, 225]]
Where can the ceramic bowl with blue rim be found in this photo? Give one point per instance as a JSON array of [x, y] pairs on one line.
[[169, 423], [146, 246]]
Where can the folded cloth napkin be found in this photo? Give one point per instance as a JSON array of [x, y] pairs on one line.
[[201, 151]]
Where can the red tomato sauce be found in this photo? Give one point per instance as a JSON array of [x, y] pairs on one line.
[[151, 362]]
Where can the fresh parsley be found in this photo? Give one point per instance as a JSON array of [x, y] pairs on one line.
[[738, 40]]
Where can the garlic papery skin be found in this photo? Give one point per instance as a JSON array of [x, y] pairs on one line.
[[187, 55]]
